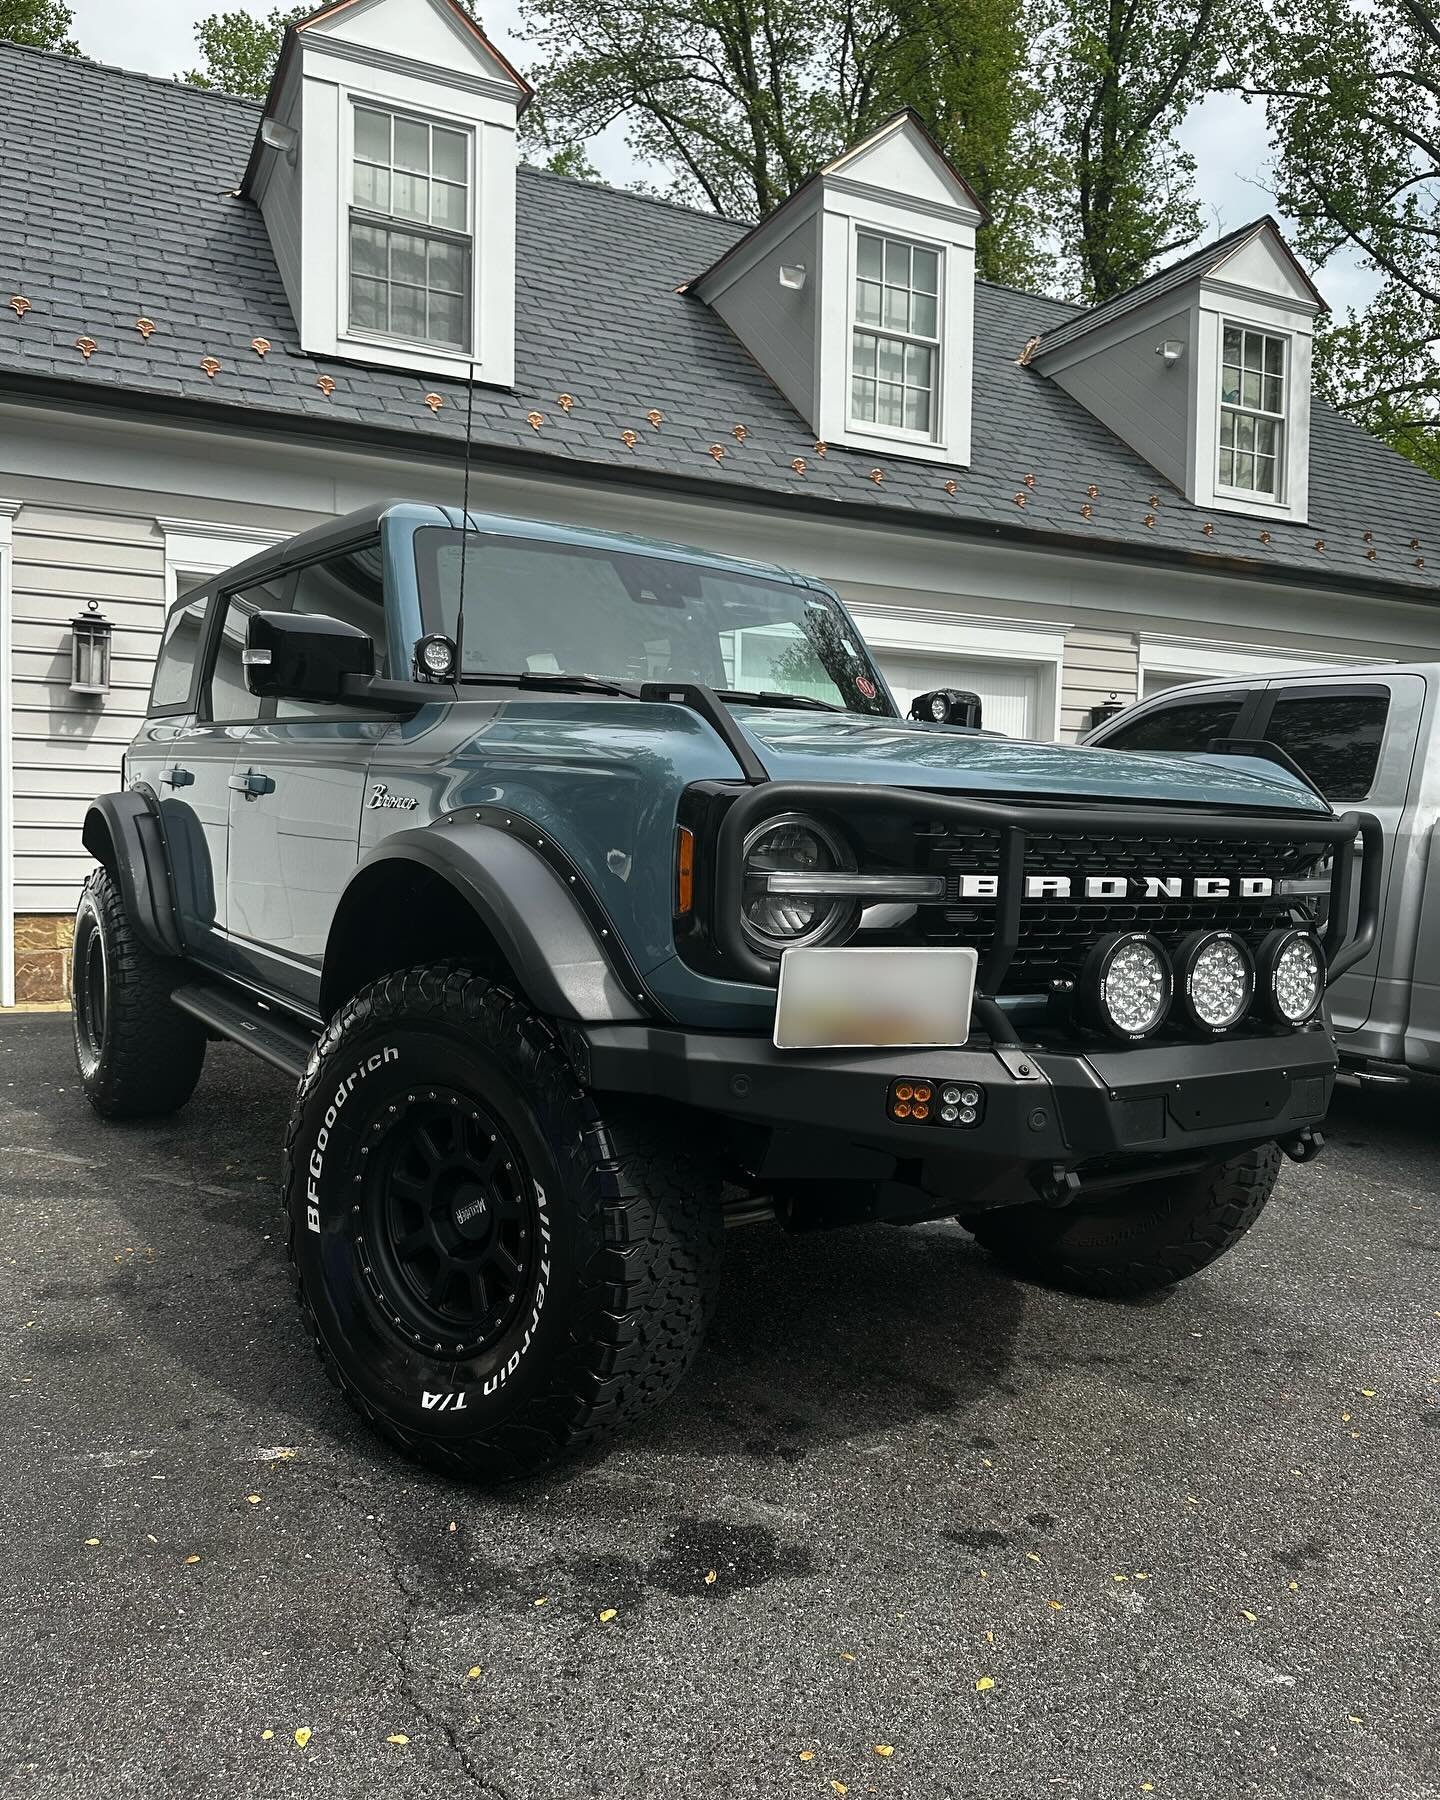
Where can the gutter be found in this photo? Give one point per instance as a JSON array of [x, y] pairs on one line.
[[57, 394]]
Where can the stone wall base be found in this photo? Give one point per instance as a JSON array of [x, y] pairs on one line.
[[42, 956]]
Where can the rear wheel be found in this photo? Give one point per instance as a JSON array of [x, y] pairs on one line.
[[1137, 1240], [494, 1274], [137, 1053]]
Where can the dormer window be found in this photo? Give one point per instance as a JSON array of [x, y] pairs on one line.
[[1252, 411], [895, 340], [410, 240]]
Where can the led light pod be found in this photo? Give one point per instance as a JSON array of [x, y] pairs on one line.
[[1214, 980], [1126, 985]]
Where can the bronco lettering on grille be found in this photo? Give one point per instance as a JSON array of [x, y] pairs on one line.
[[1126, 887]]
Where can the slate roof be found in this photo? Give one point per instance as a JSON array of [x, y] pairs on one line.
[[119, 201]]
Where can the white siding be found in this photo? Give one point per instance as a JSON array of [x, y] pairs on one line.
[[778, 324], [1143, 399], [1098, 663]]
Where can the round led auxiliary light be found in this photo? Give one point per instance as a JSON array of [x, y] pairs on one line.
[[1126, 984], [1292, 975], [1214, 979], [435, 656]]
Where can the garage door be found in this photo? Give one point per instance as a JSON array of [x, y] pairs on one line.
[[1009, 692]]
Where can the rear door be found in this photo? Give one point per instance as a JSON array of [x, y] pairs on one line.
[[1356, 740], [298, 790]]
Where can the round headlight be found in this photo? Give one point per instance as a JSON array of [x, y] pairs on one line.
[[1292, 975], [1215, 978], [792, 845], [1126, 984]]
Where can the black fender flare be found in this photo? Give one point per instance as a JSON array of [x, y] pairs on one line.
[[570, 965], [123, 832]]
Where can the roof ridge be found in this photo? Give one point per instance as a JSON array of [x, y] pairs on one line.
[[631, 193], [91, 66]]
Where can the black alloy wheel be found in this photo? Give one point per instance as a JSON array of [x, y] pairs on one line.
[[450, 1233]]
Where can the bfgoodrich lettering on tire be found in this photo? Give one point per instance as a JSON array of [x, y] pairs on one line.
[[1130, 1242], [494, 1274]]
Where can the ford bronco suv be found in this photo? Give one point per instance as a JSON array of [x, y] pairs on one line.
[[596, 897]]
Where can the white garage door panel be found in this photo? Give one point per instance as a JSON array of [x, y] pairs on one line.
[[1009, 692]]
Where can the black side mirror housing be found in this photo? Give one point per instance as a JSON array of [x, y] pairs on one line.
[[947, 706], [305, 656]]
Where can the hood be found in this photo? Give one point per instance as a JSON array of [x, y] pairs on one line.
[[811, 746]]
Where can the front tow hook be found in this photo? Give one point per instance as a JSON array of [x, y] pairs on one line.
[[1304, 1147]]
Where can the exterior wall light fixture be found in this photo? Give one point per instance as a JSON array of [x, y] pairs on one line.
[[279, 137], [90, 651], [792, 276], [1170, 351]]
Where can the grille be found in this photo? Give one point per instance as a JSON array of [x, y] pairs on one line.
[[1055, 934]]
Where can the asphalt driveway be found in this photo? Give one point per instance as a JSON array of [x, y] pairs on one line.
[[967, 1538]]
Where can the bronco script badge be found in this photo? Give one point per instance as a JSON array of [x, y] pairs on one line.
[[380, 795]]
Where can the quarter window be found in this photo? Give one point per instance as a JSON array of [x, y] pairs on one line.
[[1252, 410], [895, 336], [1187, 725], [179, 650], [410, 243]]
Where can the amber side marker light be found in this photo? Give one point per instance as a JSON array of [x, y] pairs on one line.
[[684, 870]]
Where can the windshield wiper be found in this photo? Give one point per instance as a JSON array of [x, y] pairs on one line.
[[556, 682], [764, 697]]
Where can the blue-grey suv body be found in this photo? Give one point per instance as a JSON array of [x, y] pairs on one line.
[[596, 895]]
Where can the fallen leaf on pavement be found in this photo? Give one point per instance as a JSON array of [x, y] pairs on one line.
[[267, 1735], [302, 1735], [92, 1542], [475, 1673], [192, 1559], [1369, 1393], [607, 1615], [984, 1684], [710, 1578], [254, 1499], [397, 1737], [884, 1749], [847, 1656], [1030, 1556], [807, 1756], [541, 1601], [839, 1787], [1245, 1614], [1056, 1605]]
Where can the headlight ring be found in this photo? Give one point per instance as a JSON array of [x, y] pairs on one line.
[[792, 843]]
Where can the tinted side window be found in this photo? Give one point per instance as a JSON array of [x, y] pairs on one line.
[[1335, 738], [179, 649], [351, 588], [229, 701], [1189, 725]]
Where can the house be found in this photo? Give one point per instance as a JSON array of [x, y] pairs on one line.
[[221, 322]]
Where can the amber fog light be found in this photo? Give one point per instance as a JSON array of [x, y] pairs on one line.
[[1126, 985], [1292, 975], [1214, 980], [936, 1102]]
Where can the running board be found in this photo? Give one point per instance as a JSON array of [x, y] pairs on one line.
[[282, 1042]]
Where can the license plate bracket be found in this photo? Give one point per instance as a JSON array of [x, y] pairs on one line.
[[860, 998]]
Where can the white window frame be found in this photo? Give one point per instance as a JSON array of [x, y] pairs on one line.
[[8, 510], [351, 210], [1276, 496], [874, 428], [200, 548]]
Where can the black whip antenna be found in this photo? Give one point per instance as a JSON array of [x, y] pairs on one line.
[[464, 522]]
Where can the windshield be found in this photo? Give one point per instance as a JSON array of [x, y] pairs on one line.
[[539, 608]]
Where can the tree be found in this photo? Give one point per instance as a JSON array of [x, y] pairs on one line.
[[1352, 97], [1127, 71], [43, 24], [240, 50]]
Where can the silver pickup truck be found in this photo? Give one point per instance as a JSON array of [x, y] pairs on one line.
[[1364, 736]]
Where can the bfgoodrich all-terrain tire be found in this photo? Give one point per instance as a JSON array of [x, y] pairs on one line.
[[494, 1274], [138, 1054], [1138, 1239]]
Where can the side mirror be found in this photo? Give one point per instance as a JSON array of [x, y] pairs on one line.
[[947, 706], [305, 656]]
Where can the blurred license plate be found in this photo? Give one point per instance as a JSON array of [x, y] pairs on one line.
[[851, 999]]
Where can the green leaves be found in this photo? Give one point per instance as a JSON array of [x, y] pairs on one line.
[[43, 24]]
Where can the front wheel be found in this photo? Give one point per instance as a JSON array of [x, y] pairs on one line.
[[1133, 1241], [494, 1274]]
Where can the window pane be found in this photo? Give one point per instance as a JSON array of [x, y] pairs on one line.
[[367, 250], [890, 408], [1227, 430], [1254, 351], [868, 256], [447, 267], [1232, 344], [897, 262], [447, 319], [448, 153], [863, 353], [1230, 385], [1267, 436], [372, 134], [229, 699], [1335, 738], [925, 271], [862, 399], [1227, 468], [1275, 356], [1244, 470], [367, 304], [372, 188], [1272, 393], [891, 359], [917, 409], [412, 146], [897, 308], [1244, 431], [178, 651], [1189, 725], [1265, 475], [1249, 389], [922, 315], [867, 302], [917, 365], [407, 311], [411, 198], [407, 258], [447, 205]]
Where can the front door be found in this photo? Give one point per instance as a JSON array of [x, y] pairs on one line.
[[297, 791]]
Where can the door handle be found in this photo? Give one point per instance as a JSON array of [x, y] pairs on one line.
[[176, 777], [252, 784]]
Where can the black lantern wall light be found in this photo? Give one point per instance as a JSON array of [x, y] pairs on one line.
[[90, 651]]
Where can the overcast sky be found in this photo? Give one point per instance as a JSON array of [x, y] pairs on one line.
[[1226, 137]]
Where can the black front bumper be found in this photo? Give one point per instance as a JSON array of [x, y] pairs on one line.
[[1041, 1108]]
